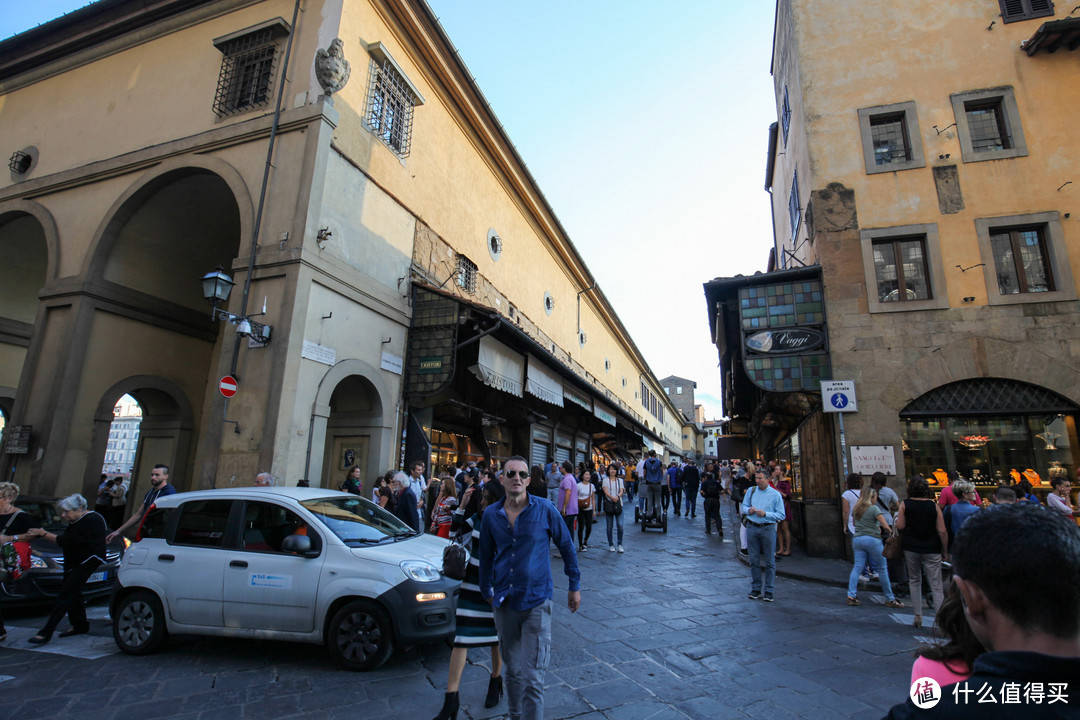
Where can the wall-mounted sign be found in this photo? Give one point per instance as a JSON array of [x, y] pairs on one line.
[[779, 342], [429, 365], [392, 362], [838, 396], [17, 439], [869, 459], [318, 353]]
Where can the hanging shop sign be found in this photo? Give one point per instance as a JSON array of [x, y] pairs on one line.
[[782, 342], [604, 413]]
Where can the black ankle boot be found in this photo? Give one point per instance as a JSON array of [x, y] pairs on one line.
[[495, 691], [449, 707]]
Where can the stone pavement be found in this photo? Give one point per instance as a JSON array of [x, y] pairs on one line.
[[665, 631]]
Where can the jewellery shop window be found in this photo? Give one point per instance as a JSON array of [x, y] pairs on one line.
[[788, 453], [992, 451]]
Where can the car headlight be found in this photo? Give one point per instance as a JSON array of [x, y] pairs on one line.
[[38, 562], [420, 571]]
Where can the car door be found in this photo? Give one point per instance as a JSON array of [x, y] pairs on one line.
[[267, 588], [194, 562]]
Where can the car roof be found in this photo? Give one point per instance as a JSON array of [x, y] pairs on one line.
[[298, 494]]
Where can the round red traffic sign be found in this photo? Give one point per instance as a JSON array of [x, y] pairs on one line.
[[227, 386]]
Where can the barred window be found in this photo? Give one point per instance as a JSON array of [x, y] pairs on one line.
[[390, 102], [466, 275], [249, 59]]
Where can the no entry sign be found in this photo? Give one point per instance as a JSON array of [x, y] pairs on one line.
[[227, 386]]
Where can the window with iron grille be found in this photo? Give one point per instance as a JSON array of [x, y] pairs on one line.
[[390, 102], [988, 124], [248, 63], [1013, 10], [1021, 261], [901, 270], [466, 275], [794, 206]]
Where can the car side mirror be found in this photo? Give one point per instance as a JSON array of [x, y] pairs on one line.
[[296, 544]]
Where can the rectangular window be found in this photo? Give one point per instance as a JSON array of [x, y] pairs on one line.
[[794, 206], [901, 270], [248, 61], [678, 389], [1013, 10], [1021, 260], [466, 274], [988, 124], [890, 138], [390, 102], [785, 115]]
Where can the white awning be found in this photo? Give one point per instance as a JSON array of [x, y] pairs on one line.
[[577, 398], [499, 367], [604, 412], [543, 383]]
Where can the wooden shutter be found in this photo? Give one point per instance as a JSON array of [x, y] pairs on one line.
[[1012, 10]]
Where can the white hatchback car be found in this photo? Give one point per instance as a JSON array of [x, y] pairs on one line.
[[304, 564]]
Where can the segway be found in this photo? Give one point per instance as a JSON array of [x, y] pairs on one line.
[[648, 522]]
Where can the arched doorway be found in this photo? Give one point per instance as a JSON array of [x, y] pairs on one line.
[[165, 430], [356, 414]]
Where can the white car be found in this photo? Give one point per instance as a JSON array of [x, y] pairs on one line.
[[304, 564]]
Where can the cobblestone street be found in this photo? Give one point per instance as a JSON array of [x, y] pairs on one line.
[[665, 631]]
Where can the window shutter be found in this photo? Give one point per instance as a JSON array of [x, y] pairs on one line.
[[1012, 8], [1041, 6]]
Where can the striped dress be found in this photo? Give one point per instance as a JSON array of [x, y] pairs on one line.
[[475, 621]]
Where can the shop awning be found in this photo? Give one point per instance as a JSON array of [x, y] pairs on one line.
[[603, 412], [499, 367], [543, 383], [577, 398]]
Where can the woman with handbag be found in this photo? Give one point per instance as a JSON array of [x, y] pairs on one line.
[[614, 491], [475, 619], [924, 540], [586, 496], [867, 545], [445, 504], [14, 524]]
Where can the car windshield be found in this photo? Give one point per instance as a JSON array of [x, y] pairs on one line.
[[356, 520]]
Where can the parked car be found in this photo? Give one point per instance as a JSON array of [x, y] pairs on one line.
[[41, 583], [303, 564]]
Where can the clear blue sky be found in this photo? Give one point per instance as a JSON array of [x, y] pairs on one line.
[[645, 125]]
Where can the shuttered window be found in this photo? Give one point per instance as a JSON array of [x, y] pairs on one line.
[[1013, 10]]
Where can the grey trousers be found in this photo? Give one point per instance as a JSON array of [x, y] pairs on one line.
[[916, 563], [761, 542], [653, 491], [525, 644]]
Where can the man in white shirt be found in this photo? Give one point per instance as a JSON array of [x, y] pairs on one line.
[[417, 483]]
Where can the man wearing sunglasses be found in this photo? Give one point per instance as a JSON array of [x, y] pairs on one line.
[[515, 577]]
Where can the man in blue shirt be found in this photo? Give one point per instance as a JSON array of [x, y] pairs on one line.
[[762, 508], [655, 480], [515, 577]]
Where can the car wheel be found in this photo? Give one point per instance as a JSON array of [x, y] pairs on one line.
[[139, 623], [360, 636]]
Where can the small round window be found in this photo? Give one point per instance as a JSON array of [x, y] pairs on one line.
[[494, 244], [549, 303]]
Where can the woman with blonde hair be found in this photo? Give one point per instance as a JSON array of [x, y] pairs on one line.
[[445, 504], [868, 546]]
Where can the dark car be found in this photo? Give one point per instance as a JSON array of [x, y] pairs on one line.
[[41, 583]]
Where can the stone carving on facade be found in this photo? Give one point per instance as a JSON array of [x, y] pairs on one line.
[[331, 68], [834, 209]]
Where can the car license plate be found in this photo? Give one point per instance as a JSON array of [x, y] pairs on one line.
[[98, 577]]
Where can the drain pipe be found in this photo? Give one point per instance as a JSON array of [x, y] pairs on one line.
[[265, 180]]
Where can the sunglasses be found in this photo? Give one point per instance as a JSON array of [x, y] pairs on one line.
[[523, 474]]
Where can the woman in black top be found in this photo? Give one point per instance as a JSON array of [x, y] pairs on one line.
[[924, 541], [14, 524], [84, 550]]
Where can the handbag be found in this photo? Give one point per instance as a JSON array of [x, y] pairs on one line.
[[893, 547], [14, 555], [455, 558], [612, 507]]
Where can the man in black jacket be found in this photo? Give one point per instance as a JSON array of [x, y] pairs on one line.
[[1017, 568], [710, 496], [691, 481]]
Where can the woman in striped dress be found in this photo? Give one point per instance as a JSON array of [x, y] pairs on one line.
[[475, 621]]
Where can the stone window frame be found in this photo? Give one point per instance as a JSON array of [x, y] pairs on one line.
[[914, 136], [249, 68], [1055, 248], [1006, 99], [939, 298]]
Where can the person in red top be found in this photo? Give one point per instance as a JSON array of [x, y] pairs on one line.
[[947, 496]]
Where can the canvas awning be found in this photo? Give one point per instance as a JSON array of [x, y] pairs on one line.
[[499, 367], [543, 383]]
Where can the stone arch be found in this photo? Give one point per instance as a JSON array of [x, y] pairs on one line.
[[334, 418], [149, 184], [9, 210], [165, 434], [981, 357]]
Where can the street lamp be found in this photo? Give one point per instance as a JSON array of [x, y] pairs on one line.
[[216, 288]]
